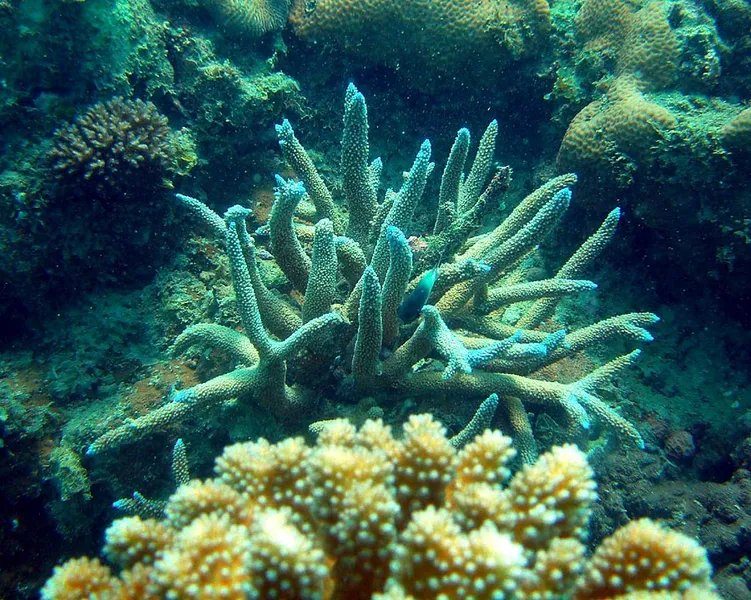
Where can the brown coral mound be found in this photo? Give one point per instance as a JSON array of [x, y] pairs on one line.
[[424, 39], [111, 144], [621, 124], [641, 42], [736, 135], [414, 518]]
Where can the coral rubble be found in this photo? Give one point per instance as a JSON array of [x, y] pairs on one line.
[[364, 515]]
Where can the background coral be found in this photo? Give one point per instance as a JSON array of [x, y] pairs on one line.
[[639, 38], [736, 134], [615, 133], [471, 38], [114, 145], [251, 17], [665, 70]]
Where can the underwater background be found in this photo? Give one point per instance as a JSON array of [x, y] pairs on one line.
[[574, 237]]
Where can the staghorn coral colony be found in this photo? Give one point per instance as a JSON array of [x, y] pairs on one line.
[[352, 315], [364, 515]]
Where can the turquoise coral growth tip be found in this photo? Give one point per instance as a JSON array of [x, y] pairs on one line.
[[481, 266], [394, 234], [284, 132], [481, 421], [535, 350], [236, 214], [555, 340], [479, 356], [288, 187], [641, 334], [573, 405], [182, 396], [563, 197], [204, 213]]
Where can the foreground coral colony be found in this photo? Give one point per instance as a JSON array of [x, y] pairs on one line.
[[420, 300], [364, 514]]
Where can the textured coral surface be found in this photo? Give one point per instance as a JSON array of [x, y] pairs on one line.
[[111, 142], [465, 36], [361, 512]]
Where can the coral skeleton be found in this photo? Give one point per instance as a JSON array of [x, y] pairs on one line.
[[362, 514], [355, 267]]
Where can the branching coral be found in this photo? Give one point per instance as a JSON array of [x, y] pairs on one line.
[[112, 142], [140, 505], [364, 515], [352, 320]]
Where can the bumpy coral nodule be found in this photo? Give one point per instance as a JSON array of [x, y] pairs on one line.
[[364, 515]]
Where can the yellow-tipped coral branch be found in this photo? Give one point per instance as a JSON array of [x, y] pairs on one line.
[[361, 514]]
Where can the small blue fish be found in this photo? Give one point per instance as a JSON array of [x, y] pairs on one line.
[[410, 309]]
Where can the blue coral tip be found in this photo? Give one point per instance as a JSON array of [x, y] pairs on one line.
[[393, 233], [236, 213]]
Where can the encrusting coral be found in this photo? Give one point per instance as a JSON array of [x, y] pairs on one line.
[[736, 134], [624, 122], [639, 48], [352, 320], [364, 515], [480, 37], [638, 35]]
